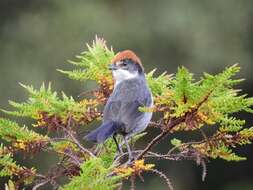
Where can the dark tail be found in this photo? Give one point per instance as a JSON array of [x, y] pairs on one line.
[[103, 132]]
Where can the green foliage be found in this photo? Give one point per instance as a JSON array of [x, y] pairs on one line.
[[158, 85], [214, 93], [93, 63], [60, 146], [7, 164], [231, 124], [107, 155], [94, 175], [176, 142], [245, 136], [10, 131], [210, 101], [184, 88], [10, 185], [9, 167], [225, 153], [45, 106], [42, 100]]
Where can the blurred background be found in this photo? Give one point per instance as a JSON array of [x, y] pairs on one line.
[[37, 37]]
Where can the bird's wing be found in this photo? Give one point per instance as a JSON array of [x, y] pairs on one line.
[[124, 103], [124, 112]]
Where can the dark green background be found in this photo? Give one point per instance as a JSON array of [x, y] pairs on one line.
[[38, 36]]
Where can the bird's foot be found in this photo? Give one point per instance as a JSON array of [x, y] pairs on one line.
[[131, 159]]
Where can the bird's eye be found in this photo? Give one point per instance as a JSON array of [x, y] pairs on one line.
[[123, 64]]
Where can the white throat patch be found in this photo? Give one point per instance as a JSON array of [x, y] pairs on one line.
[[120, 74]]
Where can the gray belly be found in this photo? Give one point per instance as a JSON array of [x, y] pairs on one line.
[[142, 124]]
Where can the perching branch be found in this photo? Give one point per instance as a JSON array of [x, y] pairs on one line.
[[172, 123], [72, 137]]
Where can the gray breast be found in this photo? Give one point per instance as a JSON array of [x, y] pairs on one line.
[[123, 105]]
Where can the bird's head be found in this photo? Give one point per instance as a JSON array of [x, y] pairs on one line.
[[126, 65]]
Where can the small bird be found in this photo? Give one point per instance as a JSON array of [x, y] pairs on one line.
[[121, 114]]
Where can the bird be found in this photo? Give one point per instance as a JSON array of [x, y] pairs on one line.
[[121, 114]]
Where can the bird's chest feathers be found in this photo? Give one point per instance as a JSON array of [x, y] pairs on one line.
[[121, 75], [129, 90]]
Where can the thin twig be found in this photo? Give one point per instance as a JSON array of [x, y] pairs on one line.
[[70, 134], [60, 139], [40, 176], [79, 145], [183, 144], [152, 143], [40, 184], [73, 157], [205, 137], [162, 175], [204, 169], [171, 125], [174, 157], [132, 180], [156, 124], [86, 93]]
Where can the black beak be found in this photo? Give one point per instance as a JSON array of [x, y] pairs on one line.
[[112, 67]]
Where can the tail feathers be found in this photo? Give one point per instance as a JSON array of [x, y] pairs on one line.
[[103, 132]]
